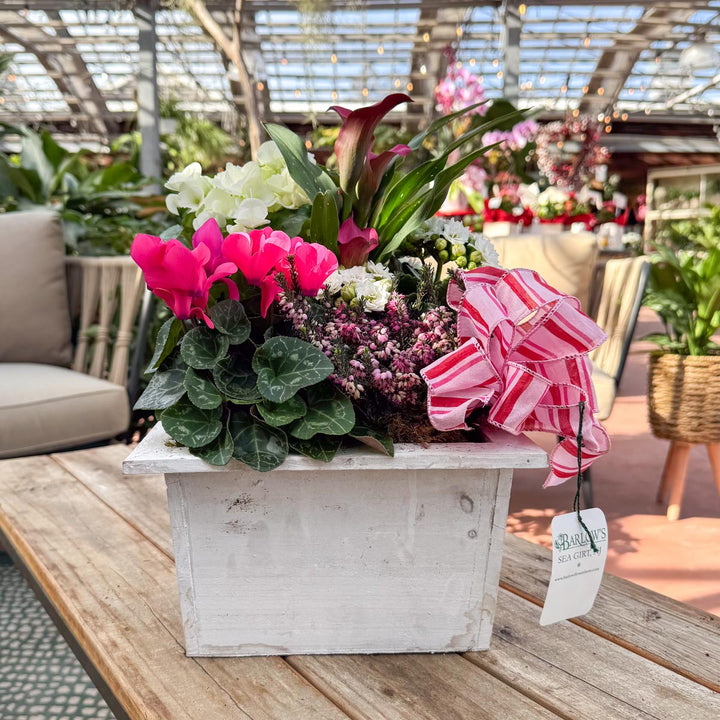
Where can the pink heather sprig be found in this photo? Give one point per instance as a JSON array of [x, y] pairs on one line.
[[459, 89], [377, 356]]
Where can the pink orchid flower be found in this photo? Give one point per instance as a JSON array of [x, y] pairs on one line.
[[178, 275], [313, 264], [352, 148], [355, 244]]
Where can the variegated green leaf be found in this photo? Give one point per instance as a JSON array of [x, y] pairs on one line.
[[163, 390], [201, 392], [203, 348], [191, 426], [258, 445]]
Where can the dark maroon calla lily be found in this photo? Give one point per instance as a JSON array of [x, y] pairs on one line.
[[372, 173], [355, 245], [356, 136]]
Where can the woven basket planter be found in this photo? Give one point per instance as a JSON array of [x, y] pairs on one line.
[[684, 397]]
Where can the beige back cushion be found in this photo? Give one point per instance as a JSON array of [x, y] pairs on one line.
[[565, 260], [34, 316]]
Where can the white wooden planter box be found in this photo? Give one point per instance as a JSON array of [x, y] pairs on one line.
[[361, 555]]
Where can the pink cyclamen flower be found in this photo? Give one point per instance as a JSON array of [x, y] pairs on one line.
[[355, 244], [313, 264], [257, 252], [210, 235], [178, 275]]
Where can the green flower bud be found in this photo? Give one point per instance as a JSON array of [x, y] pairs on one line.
[[440, 244], [471, 266], [444, 255], [458, 250], [461, 262], [348, 293], [476, 256]]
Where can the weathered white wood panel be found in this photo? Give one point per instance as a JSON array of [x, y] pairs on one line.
[[340, 557]]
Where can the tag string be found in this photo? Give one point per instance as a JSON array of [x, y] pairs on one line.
[[576, 502]]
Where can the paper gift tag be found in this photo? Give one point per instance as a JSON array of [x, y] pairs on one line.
[[576, 570]]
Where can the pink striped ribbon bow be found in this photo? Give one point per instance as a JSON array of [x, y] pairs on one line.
[[524, 352]]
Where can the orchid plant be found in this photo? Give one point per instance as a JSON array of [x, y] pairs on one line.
[[307, 306]]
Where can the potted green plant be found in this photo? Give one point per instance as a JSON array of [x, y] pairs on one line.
[[684, 290]]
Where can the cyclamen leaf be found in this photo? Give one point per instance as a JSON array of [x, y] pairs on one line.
[[230, 319], [203, 348], [284, 365], [320, 447], [373, 439], [201, 392], [163, 390], [278, 414], [258, 445], [236, 380], [329, 412], [165, 342], [190, 425], [219, 451]]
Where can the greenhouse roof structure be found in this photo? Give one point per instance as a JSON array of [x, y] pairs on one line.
[[75, 62]]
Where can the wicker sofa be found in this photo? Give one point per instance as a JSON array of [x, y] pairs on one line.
[[61, 383]]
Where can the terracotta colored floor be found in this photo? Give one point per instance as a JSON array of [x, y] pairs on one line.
[[680, 559]]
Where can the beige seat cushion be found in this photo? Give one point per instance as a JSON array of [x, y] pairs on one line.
[[45, 408], [34, 316], [604, 391], [566, 260]]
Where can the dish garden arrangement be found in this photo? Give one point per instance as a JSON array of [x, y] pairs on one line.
[[337, 359], [310, 307]]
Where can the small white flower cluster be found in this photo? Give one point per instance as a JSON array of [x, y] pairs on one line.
[[458, 234], [371, 283], [240, 197]]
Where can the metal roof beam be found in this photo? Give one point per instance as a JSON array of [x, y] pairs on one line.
[[616, 63], [64, 65]]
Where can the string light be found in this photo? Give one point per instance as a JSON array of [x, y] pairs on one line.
[[11, 77], [631, 91], [423, 70], [283, 61], [559, 144], [365, 92], [522, 9], [601, 91], [397, 82], [380, 50], [607, 119], [426, 37], [409, 87], [616, 114], [542, 79], [624, 117], [459, 31], [608, 128], [647, 111], [458, 64], [308, 144], [586, 41], [260, 86], [563, 89], [585, 89], [472, 62], [575, 112], [297, 93], [500, 74], [495, 62], [334, 95], [600, 117], [333, 58]]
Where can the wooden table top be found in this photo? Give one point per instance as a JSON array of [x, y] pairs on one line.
[[97, 547]]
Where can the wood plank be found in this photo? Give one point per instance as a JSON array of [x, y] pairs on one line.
[[581, 675], [117, 595], [140, 500], [415, 687], [677, 636]]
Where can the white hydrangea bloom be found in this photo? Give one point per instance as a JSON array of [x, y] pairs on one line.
[[249, 214], [187, 175]]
